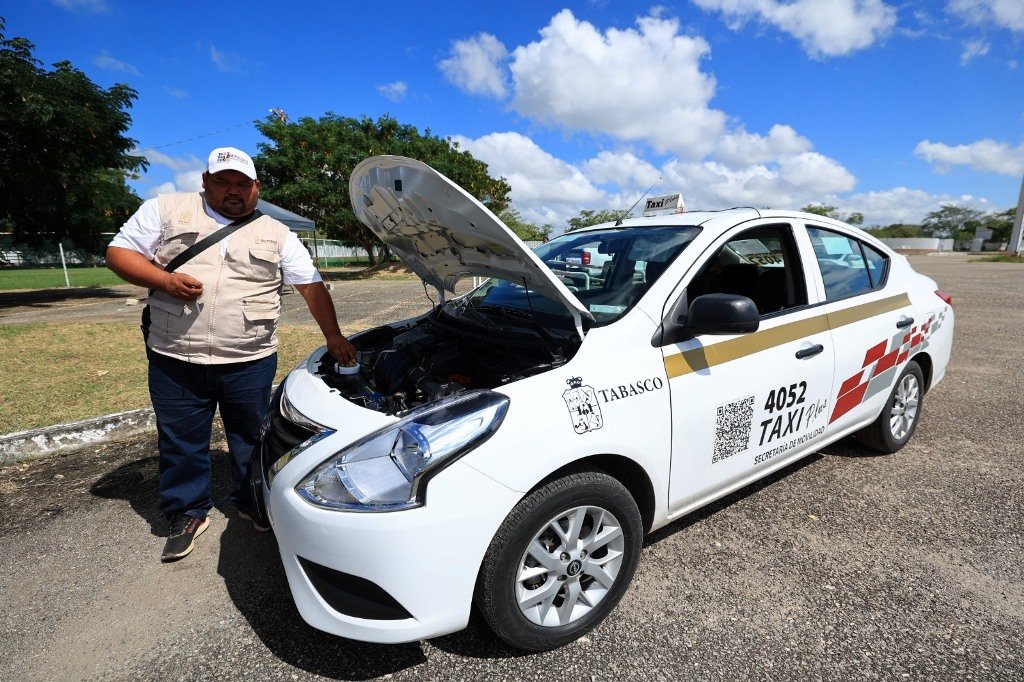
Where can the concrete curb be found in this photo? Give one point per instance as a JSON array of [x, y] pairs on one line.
[[23, 445]]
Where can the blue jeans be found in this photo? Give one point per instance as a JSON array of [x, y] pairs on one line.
[[185, 397]]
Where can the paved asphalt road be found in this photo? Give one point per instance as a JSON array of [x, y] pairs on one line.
[[844, 566]]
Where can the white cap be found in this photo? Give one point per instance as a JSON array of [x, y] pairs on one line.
[[229, 158]]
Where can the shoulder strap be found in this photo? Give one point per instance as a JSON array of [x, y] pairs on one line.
[[208, 241]]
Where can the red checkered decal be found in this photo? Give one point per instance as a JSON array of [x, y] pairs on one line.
[[881, 363]]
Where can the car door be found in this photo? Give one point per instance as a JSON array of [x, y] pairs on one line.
[[872, 324], [744, 404]]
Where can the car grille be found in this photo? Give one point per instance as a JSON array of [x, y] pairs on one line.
[[280, 437]]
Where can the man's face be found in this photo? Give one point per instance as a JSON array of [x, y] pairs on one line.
[[231, 193]]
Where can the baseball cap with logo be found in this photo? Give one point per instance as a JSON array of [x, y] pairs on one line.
[[229, 158]]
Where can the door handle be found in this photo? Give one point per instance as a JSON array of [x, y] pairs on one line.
[[809, 352], [903, 324]]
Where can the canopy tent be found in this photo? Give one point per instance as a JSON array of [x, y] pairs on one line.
[[294, 221]]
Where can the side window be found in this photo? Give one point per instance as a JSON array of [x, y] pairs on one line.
[[848, 266], [761, 264]]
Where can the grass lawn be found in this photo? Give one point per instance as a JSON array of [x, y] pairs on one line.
[[1001, 258], [58, 373], [53, 278]]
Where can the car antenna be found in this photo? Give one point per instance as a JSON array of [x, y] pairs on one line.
[[622, 217]]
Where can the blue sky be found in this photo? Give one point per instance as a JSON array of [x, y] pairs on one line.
[[884, 107]]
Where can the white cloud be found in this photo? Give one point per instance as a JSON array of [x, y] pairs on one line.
[[162, 188], [108, 63], [189, 171], [1001, 13], [794, 181], [176, 93], [642, 84], [972, 49], [902, 205], [227, 62], [623, 169], [984, 155], [546, 189], [543, 187], [476, 65], [393, 91], [178, 163], [740, 148], [96, 6], [825, 28]]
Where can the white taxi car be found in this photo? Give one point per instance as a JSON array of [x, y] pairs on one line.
[[511, 447]]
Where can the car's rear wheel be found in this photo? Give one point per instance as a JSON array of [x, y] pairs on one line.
[[561, 561], [898, 420]]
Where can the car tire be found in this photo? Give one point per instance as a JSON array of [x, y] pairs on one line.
[[539, 588], [900, 415]]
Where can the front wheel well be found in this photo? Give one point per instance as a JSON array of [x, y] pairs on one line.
[[624, 470]]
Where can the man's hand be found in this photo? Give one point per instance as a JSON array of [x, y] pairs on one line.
[[183, 287], [342, 351]]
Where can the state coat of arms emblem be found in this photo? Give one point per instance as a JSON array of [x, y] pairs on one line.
[[584, 409]]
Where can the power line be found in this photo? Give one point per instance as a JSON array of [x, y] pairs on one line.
[[279, 113], [199, 137]]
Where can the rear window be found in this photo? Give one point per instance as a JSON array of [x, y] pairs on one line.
[[848, 266]]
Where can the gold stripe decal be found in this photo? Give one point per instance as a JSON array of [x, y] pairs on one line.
[[705, 357]]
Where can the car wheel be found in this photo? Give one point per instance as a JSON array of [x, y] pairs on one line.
[[560, 561], [896, 424]]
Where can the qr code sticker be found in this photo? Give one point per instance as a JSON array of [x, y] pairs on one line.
[[732, 428]]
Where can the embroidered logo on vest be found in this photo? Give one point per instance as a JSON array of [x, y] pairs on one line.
[[185, 218]]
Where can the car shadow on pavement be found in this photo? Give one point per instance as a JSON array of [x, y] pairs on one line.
[[730, 499], [255, 580]]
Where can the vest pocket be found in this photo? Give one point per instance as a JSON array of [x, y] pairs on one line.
[[259, 311], [176, 241], [265, 263], [170, 319]]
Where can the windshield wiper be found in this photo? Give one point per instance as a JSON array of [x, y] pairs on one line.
[[462, 306], [522, 316]]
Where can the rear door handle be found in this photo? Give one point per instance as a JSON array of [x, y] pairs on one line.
[[904, 323], [810, 351]]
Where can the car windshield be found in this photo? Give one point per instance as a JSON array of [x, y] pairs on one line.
[[607, 270]]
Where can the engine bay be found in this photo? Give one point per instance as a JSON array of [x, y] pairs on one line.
[[402, 367]]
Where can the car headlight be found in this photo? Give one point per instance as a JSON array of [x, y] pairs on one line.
[[289, 412], [388, 470]]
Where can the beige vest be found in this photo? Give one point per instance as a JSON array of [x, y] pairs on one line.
[[236, 317]]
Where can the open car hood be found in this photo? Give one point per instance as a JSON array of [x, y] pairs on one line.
[[442, 233]]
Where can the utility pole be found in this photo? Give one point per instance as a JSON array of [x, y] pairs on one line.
[[1015, 236]]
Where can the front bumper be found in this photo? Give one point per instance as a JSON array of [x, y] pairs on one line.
[[388, 577]]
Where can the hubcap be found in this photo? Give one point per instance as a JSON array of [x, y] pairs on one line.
[[904, 407], [569, 566]]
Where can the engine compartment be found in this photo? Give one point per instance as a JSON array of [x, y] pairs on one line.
[[402, 367]]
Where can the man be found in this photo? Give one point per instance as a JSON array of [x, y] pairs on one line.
[[211, 337]]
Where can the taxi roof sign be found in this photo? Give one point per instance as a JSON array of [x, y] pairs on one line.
[[668, 203]]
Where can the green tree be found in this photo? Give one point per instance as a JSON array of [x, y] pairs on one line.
[[306, 167], [588, 217], [64, 157], [1000, 223], [854, 218], [897, 231], [953, 221], [525, 230]]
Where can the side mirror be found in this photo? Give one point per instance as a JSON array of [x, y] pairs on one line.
[[708, 314]]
